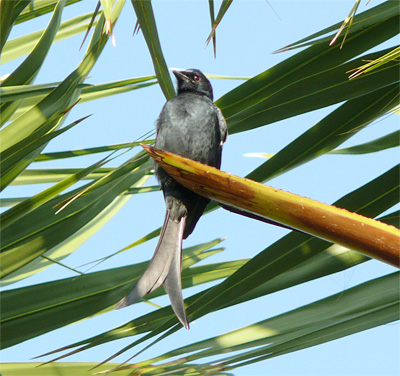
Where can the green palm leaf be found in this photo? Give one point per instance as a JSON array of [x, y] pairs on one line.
[[359, 308], [72, 299], [382, 143], [281, 265], [146, 20], [44, 227]]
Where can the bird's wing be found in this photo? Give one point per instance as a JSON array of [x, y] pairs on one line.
[[222, 126], [169, 244]]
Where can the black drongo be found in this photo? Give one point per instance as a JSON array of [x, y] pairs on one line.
[[192, 126]]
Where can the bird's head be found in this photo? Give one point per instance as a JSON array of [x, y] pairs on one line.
[[193, 80]]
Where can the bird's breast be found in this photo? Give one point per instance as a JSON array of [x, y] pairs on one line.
[[188, 126]]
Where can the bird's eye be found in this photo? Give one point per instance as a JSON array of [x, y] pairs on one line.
[[196, 78]]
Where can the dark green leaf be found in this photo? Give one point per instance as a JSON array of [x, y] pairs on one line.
[[68, 300], [41, 229], [311, 79], [9, 12], [382, 143], [341, 124], [29, 68], [145, 15], [367, 18]]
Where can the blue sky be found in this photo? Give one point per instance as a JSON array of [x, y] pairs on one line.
[[246, 38]]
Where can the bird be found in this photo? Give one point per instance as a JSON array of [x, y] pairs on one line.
[[190, 125]]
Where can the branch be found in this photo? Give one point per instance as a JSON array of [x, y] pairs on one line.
[[365, 235]]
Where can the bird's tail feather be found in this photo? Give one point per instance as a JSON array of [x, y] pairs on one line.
[[173, 283], [164, 268]]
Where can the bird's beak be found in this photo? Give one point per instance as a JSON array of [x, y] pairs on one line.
[[180, 74]]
